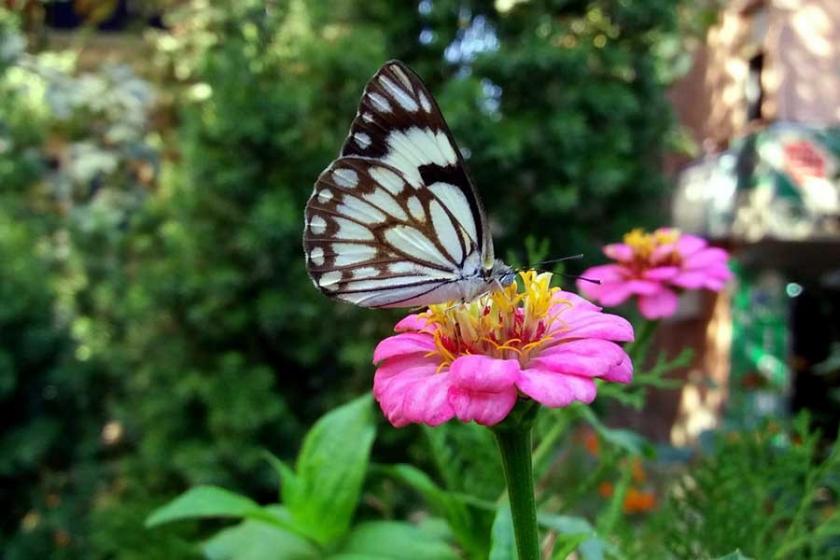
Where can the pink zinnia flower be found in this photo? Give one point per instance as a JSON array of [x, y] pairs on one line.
[[656, 267], [473, 361]]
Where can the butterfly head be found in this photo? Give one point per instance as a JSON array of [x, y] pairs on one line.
[[500, 274]]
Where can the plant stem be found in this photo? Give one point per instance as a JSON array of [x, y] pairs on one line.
[[514, 438], [547, 443], [639, 347]]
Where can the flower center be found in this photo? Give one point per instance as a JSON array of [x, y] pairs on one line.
[[508, 323], [651, 249]]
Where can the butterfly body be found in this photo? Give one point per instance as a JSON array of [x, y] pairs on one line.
[[395, 221]]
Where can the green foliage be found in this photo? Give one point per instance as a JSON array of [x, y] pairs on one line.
[[446, 445], [574, 534], [469, 522], [324, 492], [206, 501], [257, 540], [766, 493], [53, 453], [152, 235], [502, 538], [580, 121], [394, 541], [320, 499], [51, 431]]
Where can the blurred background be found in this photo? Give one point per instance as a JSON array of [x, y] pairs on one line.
[[158, 330]]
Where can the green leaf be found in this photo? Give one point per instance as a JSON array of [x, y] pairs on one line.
[[628, 440], [393, 540], [567, 544], [422, 483], [503, 542], [331, 469], [461, 519], [256, 540], [289, 486], [477, 473], [206, 501], [565, 524], [575, 530]]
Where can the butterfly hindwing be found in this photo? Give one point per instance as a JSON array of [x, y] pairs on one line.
[[395, 220], [374, 240]]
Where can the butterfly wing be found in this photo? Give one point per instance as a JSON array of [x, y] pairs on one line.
[[395, 221]]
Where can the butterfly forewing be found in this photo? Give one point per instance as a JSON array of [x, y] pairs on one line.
[[400, 123], [395, 221]]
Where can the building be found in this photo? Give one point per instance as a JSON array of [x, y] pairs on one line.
[[762, 102]]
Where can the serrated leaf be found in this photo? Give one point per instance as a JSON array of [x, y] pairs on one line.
[[331, 469], [392, 540], [206, 501], [256, 540], [628, 440]]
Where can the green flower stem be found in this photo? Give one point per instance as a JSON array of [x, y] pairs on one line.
[[514, 438]]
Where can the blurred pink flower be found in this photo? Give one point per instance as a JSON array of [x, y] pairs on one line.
[[473, 361], [656, 267]]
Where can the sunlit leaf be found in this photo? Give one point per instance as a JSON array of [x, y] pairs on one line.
[[331, 467], [391, 540]]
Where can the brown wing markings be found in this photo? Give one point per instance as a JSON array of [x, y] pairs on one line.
[[428, 115], [366, 184]]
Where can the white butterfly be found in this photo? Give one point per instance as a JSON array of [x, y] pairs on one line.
[[395, 221]]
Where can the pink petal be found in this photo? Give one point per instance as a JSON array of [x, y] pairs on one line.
[[555, 389], [428, 402], [481, 407], [389, 382], [483, 388], [720, 272], [706, 257], [663, 252], [643, 287], [583, 357], [614, 293], [414, 396], [690, 244], [661, 273], [690, 280], [398, 364], [663, 304], [405, 343], [481, 373], [593, 325], [607, 274], [568, 302], [621, 372], [618, 251], [411, 323]]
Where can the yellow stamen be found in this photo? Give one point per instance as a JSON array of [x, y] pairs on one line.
[[644, 244], [511, 321]]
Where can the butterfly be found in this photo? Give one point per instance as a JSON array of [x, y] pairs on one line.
[[395, 220]]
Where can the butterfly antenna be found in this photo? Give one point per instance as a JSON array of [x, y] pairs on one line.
[[584, 278], [561, 259], [552, 261], [565, 275]]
